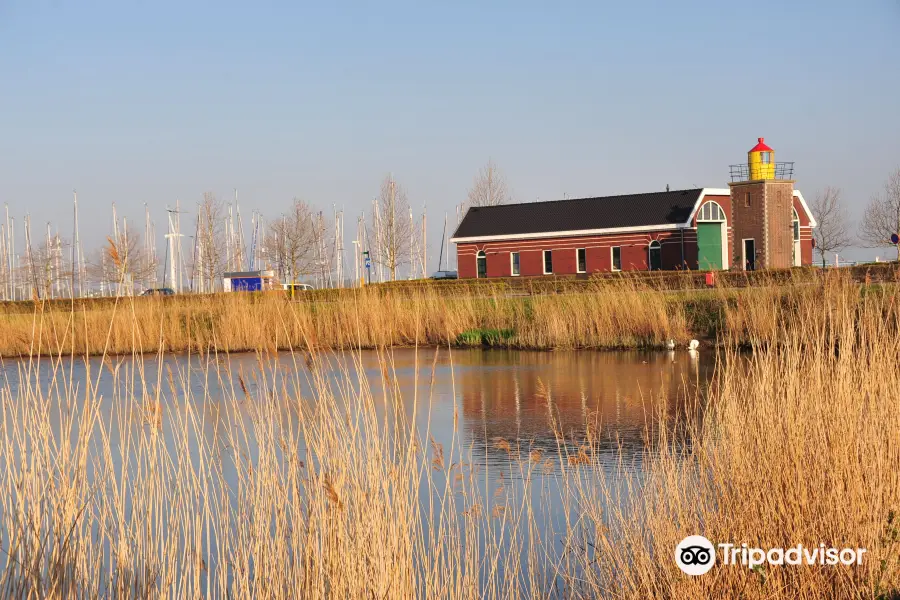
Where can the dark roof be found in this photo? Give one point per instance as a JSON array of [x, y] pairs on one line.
[[631, 210]]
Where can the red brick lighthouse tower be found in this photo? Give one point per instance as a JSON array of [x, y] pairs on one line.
[[762, 193]]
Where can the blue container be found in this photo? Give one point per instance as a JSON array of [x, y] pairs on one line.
[[246, 284]]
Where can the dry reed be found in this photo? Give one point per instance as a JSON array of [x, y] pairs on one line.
[[265, 493], [619, 313]]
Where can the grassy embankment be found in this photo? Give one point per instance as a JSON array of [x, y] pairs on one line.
[[801, 447], [620, 312]]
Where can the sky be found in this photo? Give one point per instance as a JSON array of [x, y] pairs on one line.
[[147, 102]]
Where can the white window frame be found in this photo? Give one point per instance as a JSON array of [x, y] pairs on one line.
[[577, 269], [512, 264], [649, 250], [544, 262], [711, 212], [612, 259], [795, 238], [478, 256]]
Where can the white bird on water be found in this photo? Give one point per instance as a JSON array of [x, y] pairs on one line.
[[693, 345], [670, 345]]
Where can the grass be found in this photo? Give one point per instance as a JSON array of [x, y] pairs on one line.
[[622, 312], [295, 485]]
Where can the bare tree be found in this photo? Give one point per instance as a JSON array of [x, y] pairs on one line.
[[292, 243], [122, 263], [210, 245], [391, 234], [881, 218], [832, 231], [48, 267], [489, 188]]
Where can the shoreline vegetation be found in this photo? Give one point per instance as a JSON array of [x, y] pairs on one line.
[[797, 442], [627, 312]]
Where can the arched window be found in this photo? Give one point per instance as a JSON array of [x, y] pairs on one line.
[[711, 211], [655, 259], [796, 225], [481, 262], [712, 237]]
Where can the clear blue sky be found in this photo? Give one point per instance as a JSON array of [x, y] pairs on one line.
[[133, 102]]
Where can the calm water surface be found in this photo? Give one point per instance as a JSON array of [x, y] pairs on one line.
[[482, 399], [530, 400], [522, 397]]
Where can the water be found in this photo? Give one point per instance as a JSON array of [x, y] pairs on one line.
[[496, 406]]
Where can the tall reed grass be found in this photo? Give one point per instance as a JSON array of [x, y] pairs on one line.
[[611, 313], [297, 483]]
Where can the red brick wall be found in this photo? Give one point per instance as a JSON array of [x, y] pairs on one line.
[[565, 262], [806, 247], [597, 259], [465, 261], [748, 221], [768, 220], [634, 253], [531, 262], [497, 264], [780, 232]]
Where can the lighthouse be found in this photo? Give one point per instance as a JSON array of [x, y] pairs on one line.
[[762, 196], [761, 161]]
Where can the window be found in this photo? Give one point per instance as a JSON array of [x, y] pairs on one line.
[[582, 260], [747, 199], [766, 158], [655, 258], [481, 263], [514, 263], [711, 211], [796, 225], [548, 262], [616, 258]]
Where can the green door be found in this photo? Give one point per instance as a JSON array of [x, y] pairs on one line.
[[709, 246]]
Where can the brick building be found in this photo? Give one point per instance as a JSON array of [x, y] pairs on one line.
[[759, 221]]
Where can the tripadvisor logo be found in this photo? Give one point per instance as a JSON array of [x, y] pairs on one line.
[[696, 555]]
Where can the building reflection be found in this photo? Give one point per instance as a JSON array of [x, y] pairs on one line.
[[542, 399]]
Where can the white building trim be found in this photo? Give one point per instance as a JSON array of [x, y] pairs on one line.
[[812, 219], [703, 194], [576, 232]]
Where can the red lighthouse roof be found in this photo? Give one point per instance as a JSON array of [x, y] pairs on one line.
[[761, 146]]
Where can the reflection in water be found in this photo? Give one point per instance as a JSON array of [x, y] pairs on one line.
[[541, 399], [502, 405], [530, 400]]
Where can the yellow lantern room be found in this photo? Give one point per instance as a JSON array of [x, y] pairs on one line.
[[761, 160]]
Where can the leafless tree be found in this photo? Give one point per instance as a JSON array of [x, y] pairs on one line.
[[391, 233], [881, 218], [48, 267], [490, 187], [121, 263], [832, 231], [292, 242], [209, 253]]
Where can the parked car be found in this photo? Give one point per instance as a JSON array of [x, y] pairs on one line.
[[296, 287], [159, 292], [445, 275]]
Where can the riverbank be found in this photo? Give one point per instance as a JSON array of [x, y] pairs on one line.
[[611, 314], [318, 493]]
